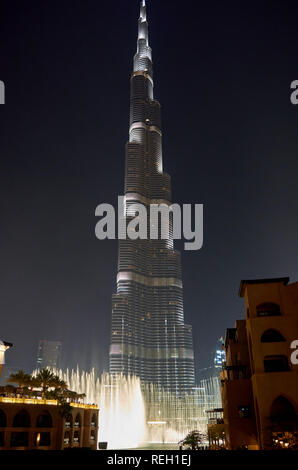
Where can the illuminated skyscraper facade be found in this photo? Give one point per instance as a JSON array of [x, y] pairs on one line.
[[219, 354], [149, 337], [48, 354]]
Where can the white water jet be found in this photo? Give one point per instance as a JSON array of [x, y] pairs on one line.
[[122, 420], [122, 416]]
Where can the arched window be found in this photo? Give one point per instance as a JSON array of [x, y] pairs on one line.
[[276, 364], [76, 437], [2, 419], [67, 440], [21, 420], [272, 336], [282, 410], [44, 420], [93, 420], [268, 309], [77, 422], [92, 435], [68, 421]]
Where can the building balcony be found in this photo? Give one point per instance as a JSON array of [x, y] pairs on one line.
[[213, 421]]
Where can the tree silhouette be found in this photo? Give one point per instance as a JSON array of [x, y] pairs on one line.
[[193, 440]]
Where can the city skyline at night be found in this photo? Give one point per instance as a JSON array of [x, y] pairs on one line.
[[224, 76]]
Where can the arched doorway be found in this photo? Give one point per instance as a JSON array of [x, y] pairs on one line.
[[284, 424], [282, 410]]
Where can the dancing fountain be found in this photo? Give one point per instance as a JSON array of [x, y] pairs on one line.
[[133, 415]]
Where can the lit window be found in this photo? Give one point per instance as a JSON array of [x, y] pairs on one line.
[[244, 411]]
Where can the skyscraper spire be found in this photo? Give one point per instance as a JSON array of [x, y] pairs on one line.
[[143, 25], [143, 57], [143, 10]]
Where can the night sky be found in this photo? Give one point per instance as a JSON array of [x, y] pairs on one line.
[[222, 73]]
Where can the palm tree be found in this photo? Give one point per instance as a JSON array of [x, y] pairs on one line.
[[34, 383], [70, 395], [57, 389], [58, 383], [21, 378], [45, 380], [192, 440], [52, 387]]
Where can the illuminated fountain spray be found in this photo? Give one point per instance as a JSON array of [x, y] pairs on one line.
[[122, 414], [170, 418], [131, 415], [122, 420]]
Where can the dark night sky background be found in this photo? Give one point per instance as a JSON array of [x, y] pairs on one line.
[[222, 74]]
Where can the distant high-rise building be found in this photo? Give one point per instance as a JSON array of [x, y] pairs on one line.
[[217, 359], [149, 337], [220, 354], [48, 354]]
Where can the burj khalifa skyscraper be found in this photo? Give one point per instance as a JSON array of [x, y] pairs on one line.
[[149, 337]]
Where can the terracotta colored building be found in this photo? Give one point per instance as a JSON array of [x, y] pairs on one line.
[[259, 382], [27, 424]]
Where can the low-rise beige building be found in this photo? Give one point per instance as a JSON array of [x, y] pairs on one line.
[[27, 424], [259, 382]]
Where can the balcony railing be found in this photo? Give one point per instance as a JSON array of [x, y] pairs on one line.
[[213, 421]]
